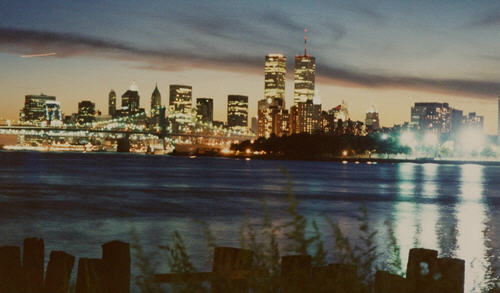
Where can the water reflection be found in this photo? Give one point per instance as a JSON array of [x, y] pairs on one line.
[[471, 215], [454, 225]]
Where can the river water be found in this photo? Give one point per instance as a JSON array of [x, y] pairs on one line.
[[77, 202]]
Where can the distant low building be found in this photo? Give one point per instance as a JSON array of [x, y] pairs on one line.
[[86, 113], [35, 109]]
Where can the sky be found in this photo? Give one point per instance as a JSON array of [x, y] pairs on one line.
[[389, 54]]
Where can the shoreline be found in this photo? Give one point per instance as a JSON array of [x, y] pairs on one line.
[[344, 160]]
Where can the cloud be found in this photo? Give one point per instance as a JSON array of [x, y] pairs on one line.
[[170, 59], [459, 87], [490, 19]]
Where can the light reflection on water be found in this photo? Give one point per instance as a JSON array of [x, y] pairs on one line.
[[77, 202]]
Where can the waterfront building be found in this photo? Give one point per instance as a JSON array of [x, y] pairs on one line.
[[434, 117], [86, 112], [205, 110], [304, 76], [458, 121], [156, 106], [34, 111], [372, 120], [274, 79], [112, 104], [180, 107], [237, 112]]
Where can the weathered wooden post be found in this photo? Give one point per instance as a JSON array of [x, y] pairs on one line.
[[421, 270], [335, 278], [451, 275], [386, 282], [227, 260], [90, 276], [296, 273], [116, 259], [58, 272], [33, 264], [10, 269]]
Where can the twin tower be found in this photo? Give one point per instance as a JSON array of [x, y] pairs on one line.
[[273, 118]]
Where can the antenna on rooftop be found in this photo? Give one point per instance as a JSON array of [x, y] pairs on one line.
[[305, 41]]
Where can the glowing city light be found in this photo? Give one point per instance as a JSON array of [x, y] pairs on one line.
[[431, 139], [407, 138]]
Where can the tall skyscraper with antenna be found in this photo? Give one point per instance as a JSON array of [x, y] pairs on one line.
[[304, 74]]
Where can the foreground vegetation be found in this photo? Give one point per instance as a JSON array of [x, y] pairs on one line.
[[265, 239]]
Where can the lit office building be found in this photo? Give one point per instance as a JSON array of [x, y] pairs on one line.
[[180, 107], [205, 110], [156, 106], [130, 102], [431, 116], [86, 112], [264, 118], [35, 111], [372, 120], [304, 74], [112, 104], [237, 112], [309, 117], [274, 79]]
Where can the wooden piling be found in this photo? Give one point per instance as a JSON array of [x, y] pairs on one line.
[[10, 269], [57, 277], [227, 260], [116, 260], [451, 275], [90, 276], [338, 278], [386, 282], [33, 265], [296, 272], [421, 270]]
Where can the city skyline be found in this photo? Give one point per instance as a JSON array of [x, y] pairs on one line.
[[403, 66]]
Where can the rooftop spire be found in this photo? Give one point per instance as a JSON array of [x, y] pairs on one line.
[[305, 41]]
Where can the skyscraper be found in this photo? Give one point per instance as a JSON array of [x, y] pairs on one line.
[[35, 111], [86, 112], [205, 110], [304, 75], [237, 112], [112, 104], [274, 79], [180, 106], [130, 101], [155, 105]]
